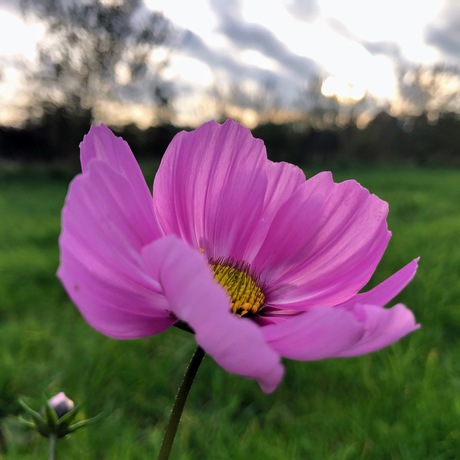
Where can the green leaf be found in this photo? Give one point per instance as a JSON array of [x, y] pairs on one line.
[[51, 417], [37, 417], [26, 423], [83, 423]]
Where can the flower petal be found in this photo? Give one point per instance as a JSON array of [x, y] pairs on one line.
[[283, 180], [387, 325], [234, 343], [383, 326], [103, 230], [328, 332], [210, 188], [387, 290], [323, 244], [120, 312], [349, 329], [100, 143], [105, 221], [322, 332]]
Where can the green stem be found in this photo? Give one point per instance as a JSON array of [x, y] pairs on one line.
[[179, 403], [53, 439]]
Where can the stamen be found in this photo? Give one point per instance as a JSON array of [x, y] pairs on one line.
[[242, 287]]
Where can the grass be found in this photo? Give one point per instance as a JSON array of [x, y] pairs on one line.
[[400, 403]]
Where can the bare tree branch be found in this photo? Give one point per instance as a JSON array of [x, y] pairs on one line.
[[97, 50]]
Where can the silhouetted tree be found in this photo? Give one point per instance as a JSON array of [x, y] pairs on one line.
[[95, 51], [379, 143], [236, 100], [321, 112], [432, 90]]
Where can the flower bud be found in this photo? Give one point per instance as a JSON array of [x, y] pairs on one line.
[[55, 418], [61, 404]]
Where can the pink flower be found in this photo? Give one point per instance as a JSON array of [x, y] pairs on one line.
[[257, 261]]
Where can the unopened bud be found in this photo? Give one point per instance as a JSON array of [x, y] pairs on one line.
[[55, 418], [61, 404]]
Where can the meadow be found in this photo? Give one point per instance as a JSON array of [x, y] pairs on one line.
[[401, 403]]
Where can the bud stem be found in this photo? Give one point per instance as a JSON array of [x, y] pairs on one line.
[[53, 439], [179, 403]]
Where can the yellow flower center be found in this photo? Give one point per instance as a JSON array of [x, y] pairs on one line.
[[241, 286]]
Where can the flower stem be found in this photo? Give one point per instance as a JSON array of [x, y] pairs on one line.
[[53, 439], [179, 403]]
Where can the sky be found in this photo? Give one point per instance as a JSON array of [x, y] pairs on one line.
[[357, 46]]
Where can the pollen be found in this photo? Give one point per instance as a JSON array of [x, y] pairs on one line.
[[242, 287]]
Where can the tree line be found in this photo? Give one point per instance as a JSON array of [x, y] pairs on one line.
[[386, 140]]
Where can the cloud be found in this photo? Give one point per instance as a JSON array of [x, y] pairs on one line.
[[11, 6], [386, 48], [247, 36], [446, 39], [390, 49], [235, 71], [258, 38], [444, 33], [303, 9], [292, 69], [195, 47]]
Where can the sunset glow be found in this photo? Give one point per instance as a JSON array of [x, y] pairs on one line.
[[357, 46], [343, 90]]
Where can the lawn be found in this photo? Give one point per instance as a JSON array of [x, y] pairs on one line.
[[399, 403]]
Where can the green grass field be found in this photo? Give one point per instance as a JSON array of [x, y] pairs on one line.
[[400, 403]]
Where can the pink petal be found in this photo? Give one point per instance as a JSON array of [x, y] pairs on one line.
[[322, 332], [234, 343], [378, 296], [210, 188], [103, 231], [348, 329], [101, 144], [328, 332], [387, 290], [120, 312], [105, 221], [283, 180], [383, 326], [323, 245]]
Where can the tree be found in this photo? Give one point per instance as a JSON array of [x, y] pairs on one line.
[[95, 51], [321, 112], [248, 102], [431, 90]]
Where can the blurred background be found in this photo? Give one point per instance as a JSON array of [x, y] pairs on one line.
[[321, 81], [366, 88]]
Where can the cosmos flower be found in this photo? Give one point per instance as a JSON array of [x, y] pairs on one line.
[[258, 262]]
